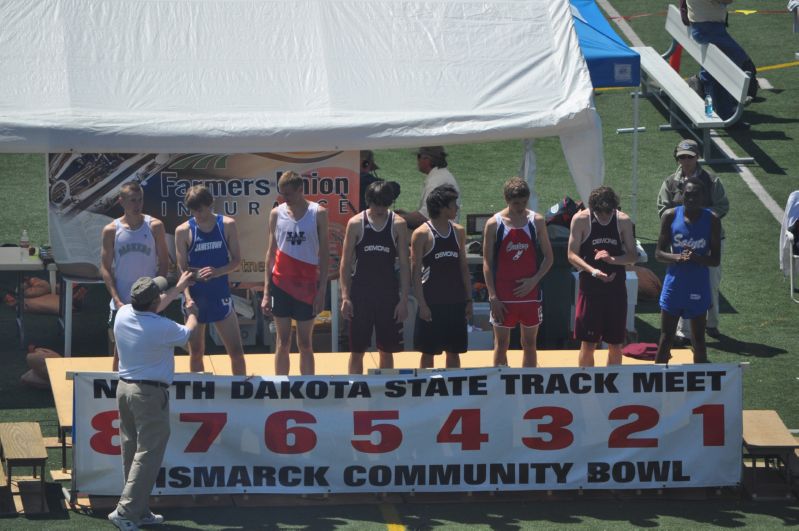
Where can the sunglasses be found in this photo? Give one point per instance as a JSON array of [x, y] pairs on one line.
[[683, 157]]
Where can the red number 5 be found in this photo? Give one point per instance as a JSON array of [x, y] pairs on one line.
[[390, 435]]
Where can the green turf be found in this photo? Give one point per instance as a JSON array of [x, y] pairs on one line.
[[758, 320]]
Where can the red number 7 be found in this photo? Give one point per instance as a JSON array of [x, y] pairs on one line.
[[211, 425]]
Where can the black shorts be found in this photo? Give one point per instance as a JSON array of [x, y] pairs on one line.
[[284, 305], [375, 313], [445, 333], [601, 317]]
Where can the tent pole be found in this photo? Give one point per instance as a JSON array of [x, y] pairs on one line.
[[634, 208], [527, 172]]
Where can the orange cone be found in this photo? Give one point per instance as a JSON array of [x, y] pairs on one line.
[[674, 59]]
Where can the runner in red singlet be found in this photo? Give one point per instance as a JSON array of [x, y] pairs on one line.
[[512, 273]]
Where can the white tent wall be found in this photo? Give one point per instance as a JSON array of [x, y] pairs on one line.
[[237, 76]]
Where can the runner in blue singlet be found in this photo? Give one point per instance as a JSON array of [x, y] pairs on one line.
[[690, 242], [208, 245]]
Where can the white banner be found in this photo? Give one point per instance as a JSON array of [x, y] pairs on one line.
[[465, 430]]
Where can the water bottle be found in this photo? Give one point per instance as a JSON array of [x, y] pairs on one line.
[[24, 244], [709, 106]]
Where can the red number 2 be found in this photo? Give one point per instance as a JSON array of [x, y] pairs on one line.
[[647, 418]]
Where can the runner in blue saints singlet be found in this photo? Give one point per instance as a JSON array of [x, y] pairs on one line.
[[690, 242]]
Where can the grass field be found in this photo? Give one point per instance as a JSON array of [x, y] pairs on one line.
[[758, 320]]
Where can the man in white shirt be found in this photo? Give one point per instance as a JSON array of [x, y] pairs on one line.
[[432, 161], [146, 343]]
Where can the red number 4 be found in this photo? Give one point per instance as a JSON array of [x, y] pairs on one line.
[[470, 437]]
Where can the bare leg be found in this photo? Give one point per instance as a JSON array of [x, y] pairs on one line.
[[501, 343], [197, 349], [305, 344], [355, 365], [386, 360], [529, 337], [586, 356], [283, 345], [453, 360], [668, 327], [427, 361], [614, 354], [228, 330], [698, 338]]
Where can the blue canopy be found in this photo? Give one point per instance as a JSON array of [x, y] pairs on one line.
[[611, 62]]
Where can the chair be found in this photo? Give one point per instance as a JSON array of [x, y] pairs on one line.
[[789, 259], [65, 306], [793, 267]]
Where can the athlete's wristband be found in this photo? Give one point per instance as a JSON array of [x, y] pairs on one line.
[[594, 273]]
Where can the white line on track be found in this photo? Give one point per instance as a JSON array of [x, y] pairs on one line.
[[745, 173]]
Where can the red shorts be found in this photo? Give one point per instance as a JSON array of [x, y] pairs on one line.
[[601, 317], [529, 313]]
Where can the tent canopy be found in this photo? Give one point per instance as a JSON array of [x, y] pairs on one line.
[[610, 61], [244, 76], [285, 75]]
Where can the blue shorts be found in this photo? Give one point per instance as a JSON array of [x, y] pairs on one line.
[[687, 310], [212, 310]]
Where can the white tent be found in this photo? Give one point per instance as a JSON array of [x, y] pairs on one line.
[[233, 76]]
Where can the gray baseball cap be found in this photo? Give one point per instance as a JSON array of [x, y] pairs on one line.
[[147, 289], [687, 147]]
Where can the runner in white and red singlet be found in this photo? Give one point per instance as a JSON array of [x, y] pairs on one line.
[[297, 257]]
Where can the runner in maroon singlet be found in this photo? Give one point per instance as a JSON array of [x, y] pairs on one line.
[[441, 281], [510, 268], [372, 296], [601, 243]]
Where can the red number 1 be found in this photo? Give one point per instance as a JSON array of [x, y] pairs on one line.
[[712, 423]]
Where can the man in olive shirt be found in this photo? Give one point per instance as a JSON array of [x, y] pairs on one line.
[[671, 195]]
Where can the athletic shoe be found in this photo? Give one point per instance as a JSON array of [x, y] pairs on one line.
[[151, 519], [121, 522], [713, 332], [681, 341]]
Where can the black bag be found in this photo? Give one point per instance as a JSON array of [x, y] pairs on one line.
[[563, 212]]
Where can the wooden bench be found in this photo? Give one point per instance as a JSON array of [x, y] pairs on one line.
[[659, 79], [21, 444], [766, 437]]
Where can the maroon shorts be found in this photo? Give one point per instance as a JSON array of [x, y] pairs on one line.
[[375, 313], [529, 313], [601, 317]]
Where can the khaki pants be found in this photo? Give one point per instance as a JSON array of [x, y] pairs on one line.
[[143, 432]]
